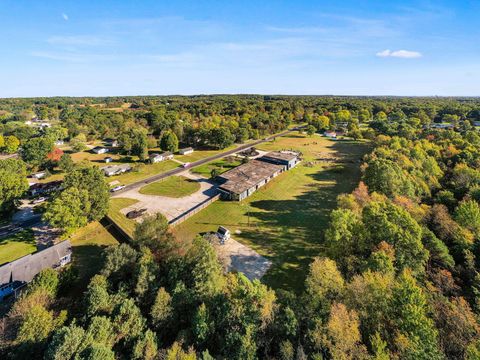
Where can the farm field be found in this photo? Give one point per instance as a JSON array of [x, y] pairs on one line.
[[121, 220], [173, 186], [285, 220], [15, 246], [221, 165]]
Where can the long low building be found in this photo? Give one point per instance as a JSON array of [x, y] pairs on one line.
[[16, 274], [244, 180]]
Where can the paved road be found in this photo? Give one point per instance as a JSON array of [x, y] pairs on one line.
[[177, 171], [12, 229]]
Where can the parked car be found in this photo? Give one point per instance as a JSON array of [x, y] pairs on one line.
[[223, 234], [117, 188], [186, 165], [135, 213], [39, 200]]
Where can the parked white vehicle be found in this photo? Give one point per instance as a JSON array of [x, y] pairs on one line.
[[223, 234], [186, 165], [39, 200], [118, 188]]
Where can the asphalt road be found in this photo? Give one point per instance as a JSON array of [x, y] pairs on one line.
[[202, 161]]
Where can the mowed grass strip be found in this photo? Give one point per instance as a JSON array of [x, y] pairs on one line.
[[286, 219], [173, 186], [221, 166], [88, 245], [120, 219], [17, 245]]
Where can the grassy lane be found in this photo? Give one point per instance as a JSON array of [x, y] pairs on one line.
[[173, 186], [15, 246], [285, 220]]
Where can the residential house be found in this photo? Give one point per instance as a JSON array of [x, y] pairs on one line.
[[108, 159], [16, 274], [100, 150], [155, 158], [111, 142], [112, 170], [45, 188], [330, 134]]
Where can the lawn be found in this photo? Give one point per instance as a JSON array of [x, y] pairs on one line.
[[15, 246], [120, 219], [143, 171], [173, 186], [88, 244], [201, 154], [286, 219], [221, 165]]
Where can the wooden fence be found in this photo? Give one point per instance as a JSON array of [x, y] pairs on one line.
[[181, 218]]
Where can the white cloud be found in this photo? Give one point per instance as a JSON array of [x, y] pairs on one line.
[[65, 16], [404, 54]]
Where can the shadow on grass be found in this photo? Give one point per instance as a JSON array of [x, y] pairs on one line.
[[294, 229]]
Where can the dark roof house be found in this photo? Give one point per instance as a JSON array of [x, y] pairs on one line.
[[16, 274]]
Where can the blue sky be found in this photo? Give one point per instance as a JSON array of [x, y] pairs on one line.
[[138, 47]]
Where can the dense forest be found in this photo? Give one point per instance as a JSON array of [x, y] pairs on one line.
[[399, 278]]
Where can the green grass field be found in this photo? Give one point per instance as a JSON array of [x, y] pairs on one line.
[[201, 154], [285, 220], [17, 245], [121, 220], [88, 244], [221, 165], [173, 186]]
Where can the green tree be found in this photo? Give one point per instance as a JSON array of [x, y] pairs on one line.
[[128, 320], [35, 150], [311, 130], [13, 183], [169, 142], [90, 179], [409, 314], [66, 163], [66, 342], [47, 279], [134, 141], [467, 214], [162, 310], [69, 211], [221, 138], [37, 325], [145, 347], [11, 144], [153, 233], [78, 143], [97, 352]]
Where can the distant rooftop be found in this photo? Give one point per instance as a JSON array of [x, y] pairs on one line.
[[282, 155]]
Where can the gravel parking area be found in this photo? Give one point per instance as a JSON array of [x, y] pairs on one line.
[[236, 256], [168, 206]]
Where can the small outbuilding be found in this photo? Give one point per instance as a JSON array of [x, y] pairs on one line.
[[108, 159], [185, 151]]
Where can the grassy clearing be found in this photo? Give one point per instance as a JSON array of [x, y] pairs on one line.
[[88, 244], [173, 186], [286, 219], [120, 219], [17, 245], [221, 165]]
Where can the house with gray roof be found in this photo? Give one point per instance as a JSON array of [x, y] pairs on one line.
[[16, 274]]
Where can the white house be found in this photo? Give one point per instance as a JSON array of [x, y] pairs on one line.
[[108, 159], [185, 151], [112, 170], [155, 158], [100, 150]]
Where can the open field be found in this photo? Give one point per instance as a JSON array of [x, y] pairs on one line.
[[221, 165], [173, 186], [121, 220], [17, 245], [285, 220]]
